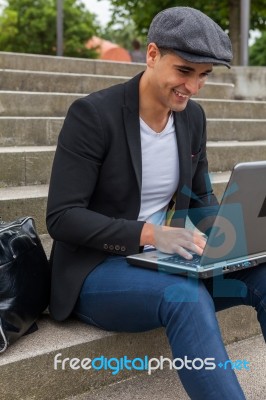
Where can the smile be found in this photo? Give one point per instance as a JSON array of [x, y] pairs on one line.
[[185, 96]]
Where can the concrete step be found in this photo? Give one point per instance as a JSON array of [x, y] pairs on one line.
[[47, 243], [164, 385], [61, 82], [222, 156], [216, 108], [43, 131], [33, 62], [26, 165], [219, 182], [32, 104], [27, 367], [19, 80], [248, 81], [25, 200], [218, 90], [31, 165], [29, 131], [56, 105], [235, 129]]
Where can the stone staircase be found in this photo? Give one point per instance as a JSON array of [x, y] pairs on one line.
[[35, 93]]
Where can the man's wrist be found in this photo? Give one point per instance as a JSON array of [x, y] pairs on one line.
[[147, 235]]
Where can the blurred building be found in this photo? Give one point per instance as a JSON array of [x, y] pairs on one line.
[[108, 50]]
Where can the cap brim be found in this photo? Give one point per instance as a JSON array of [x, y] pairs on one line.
[[200, 59]]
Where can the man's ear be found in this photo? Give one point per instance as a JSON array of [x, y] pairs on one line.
[[152, 54]]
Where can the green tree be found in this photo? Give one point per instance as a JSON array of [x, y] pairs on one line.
[[29, 26], [121, 35], [257, 55], [225, 12]]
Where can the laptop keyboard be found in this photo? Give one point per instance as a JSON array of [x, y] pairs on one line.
[[176, 259]]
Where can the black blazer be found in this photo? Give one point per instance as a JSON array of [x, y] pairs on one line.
[[95, 187]]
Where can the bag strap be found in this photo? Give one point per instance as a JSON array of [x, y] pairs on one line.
[[3, 339]]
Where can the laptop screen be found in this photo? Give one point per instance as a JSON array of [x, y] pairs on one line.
[[239, 229]]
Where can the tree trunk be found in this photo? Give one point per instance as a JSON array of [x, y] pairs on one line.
[[234, 29]]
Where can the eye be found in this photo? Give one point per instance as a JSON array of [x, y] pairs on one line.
[[205, 74], [183, 71]]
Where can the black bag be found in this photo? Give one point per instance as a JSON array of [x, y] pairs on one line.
[[24, 279]]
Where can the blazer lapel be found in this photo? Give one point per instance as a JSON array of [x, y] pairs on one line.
[[132, 126], [181, 200], [184, 148]]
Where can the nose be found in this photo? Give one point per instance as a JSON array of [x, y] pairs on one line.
[[193, 84]]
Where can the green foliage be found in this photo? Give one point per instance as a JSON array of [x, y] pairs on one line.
[[224, 12], [121, 35], [29, 26], [142, 11], [257, 54], [8, 26]]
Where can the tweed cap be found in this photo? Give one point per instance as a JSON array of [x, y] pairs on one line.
[[192, 35]]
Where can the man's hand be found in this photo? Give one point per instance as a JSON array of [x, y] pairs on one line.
[[173, 240]]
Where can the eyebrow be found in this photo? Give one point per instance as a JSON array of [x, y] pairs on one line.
[[190, 69]]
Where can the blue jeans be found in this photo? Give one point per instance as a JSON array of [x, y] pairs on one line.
[[118, 297]]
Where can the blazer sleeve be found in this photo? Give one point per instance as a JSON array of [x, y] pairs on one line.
[[78, 158]]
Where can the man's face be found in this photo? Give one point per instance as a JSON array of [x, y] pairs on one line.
[[174, 80]]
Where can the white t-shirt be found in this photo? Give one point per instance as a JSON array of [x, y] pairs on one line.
[[160, 171]]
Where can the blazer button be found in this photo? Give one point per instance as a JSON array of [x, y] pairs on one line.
[[117, 247], [111, 247], [105, 246], [123, 248]]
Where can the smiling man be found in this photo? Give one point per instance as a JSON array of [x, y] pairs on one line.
[[170, 81], [123, 158]]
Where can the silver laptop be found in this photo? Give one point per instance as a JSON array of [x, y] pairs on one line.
[[237, 239]]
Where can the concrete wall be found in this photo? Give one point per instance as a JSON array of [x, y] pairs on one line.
[[250, 82]]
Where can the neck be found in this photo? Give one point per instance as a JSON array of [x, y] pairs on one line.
[[153, 113], [156, 123]]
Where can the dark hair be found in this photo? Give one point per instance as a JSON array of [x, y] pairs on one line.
[[164, 50]]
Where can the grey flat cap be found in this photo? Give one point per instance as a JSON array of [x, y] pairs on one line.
[[192, 35]]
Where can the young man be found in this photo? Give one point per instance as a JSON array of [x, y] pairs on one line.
[[124, 156]]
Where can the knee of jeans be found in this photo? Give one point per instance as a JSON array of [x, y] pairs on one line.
[[183, 299]]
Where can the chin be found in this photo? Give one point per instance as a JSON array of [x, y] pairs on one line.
[[179, 107]]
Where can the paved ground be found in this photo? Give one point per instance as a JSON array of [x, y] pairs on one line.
[[163, 385]]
